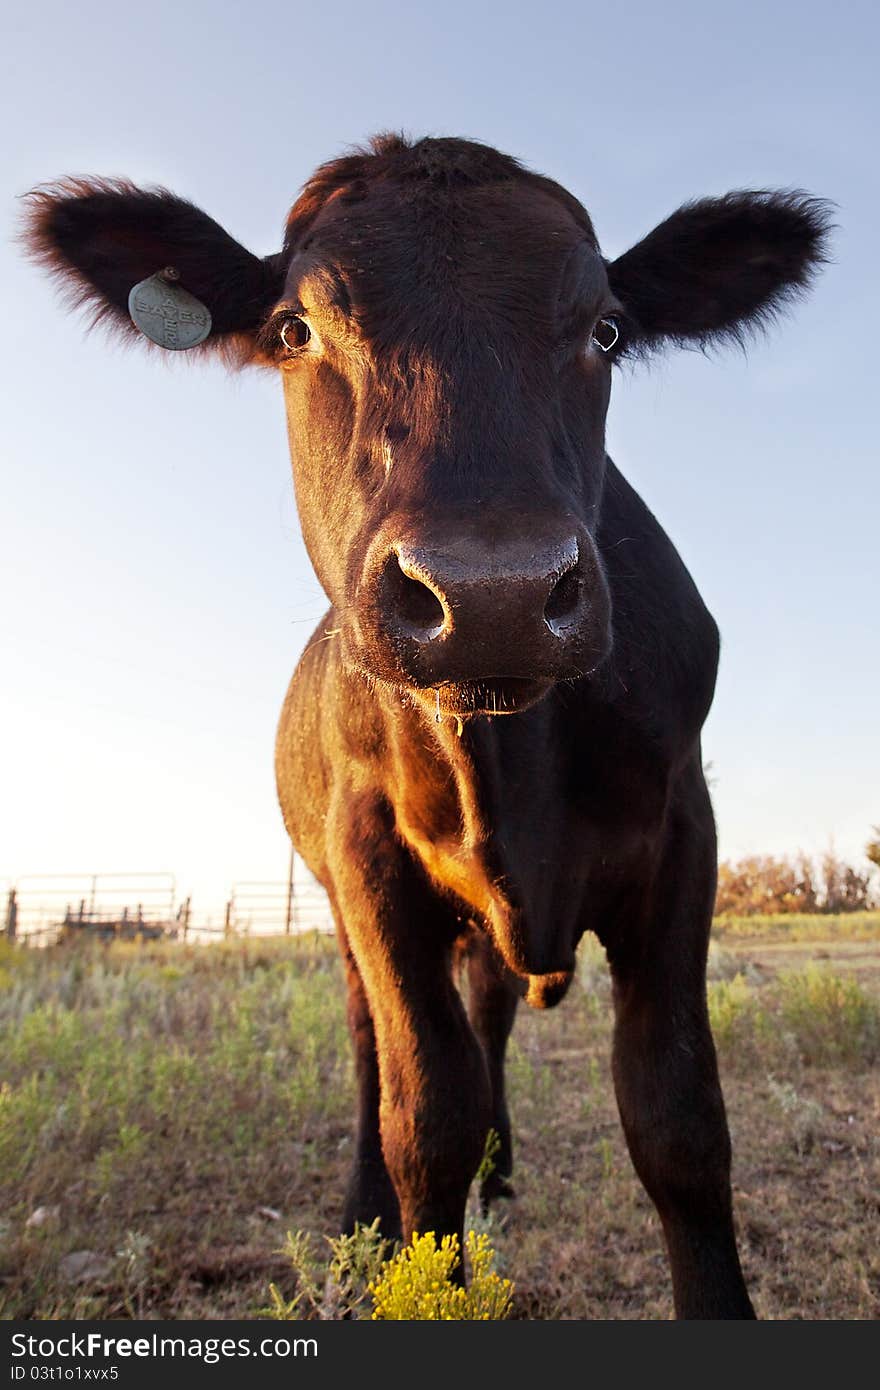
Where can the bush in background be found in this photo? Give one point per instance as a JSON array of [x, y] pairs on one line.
[[766, 884]]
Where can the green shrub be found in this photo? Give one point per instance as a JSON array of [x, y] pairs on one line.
[[732, 1011], [830, 1016], [802, 1115], [415, 1284], [336, 1289]]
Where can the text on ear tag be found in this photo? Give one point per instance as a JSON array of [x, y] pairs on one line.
[[167, 314]]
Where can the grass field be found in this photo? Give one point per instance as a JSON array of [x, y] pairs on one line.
[[169, 1112]]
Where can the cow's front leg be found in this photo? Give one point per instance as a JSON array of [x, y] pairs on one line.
[[666, 1075], [493, 995], [434, 1103], [370, 1190]]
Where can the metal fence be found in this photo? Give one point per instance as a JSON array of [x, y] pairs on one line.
[[41, 910], [263, 909]]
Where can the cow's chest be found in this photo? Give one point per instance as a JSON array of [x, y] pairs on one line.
[[523, 826]]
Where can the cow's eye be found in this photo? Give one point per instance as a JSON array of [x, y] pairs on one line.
[[606, 334], [294, 333]]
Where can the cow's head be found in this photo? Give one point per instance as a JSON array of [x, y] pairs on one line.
[[445, 327]]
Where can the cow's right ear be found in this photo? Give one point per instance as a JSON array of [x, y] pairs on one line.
[[101, 237]]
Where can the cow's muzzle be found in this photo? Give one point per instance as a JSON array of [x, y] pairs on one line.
[[492, 621]]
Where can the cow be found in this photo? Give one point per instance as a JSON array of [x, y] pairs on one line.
[[492, 743]]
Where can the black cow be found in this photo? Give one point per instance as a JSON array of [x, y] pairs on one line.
[[445, 327]]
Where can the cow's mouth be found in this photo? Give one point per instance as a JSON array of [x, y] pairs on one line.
[[494, 696]]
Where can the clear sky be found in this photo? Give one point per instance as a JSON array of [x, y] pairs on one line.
[[154, 591]]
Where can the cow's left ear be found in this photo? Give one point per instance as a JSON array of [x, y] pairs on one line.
[[102, 237], [720, 266]]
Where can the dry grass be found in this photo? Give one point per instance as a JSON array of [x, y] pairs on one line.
[[176, 1110], [794, 928]]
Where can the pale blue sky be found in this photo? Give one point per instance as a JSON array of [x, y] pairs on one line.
[[155, 592]]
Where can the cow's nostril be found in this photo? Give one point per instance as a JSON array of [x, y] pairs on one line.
[[415, 607], [419, 606], [561, 608]]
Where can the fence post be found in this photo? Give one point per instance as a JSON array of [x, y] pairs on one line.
[[184, 918], [227, 926], [11, 915], [289, 920]]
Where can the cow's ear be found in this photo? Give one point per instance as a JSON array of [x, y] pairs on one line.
[[719, 267], [101, 237]]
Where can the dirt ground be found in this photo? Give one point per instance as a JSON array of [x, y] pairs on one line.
[[861, 958]]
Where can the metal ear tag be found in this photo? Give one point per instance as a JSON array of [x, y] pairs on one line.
[[167, 314]]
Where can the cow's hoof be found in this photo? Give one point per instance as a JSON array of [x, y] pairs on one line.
[[495, 1186]]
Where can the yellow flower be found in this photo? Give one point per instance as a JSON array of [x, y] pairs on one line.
[[416, 1284]]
